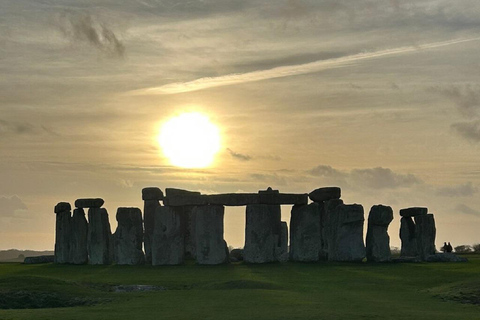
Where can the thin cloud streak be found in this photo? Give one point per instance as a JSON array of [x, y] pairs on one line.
[[286, 71]]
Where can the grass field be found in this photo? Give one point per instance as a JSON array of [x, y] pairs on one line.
[[238, 291]]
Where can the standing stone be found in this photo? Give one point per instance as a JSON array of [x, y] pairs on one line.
[[211, 247], [168, 241], [305, 233], [188, 223], [326, 210], [151, 197], [378, 241], [262, 231], [99, 237], [62, 232], [345, 242], [78, 244], [128, 237], [281, 252], [425, 233], [408, 237]]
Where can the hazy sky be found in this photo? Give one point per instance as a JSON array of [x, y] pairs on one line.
[[381, 98]]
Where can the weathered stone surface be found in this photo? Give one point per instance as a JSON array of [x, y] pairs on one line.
[[39, 259], [425, 233], [128, 237], [445, 257], [89, 203], [149, 223], [62, 237], [408, 237], [378, 241], [168, 240], [262, 231], [345, 241], [152, 193], [306, 233], [78, 244], [325, 194], [326, 227], [188, 223], [99, 237], [281, 251], [414, 211], [211, 247], [62, 207]]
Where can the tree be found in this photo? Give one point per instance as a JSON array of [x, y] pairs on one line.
[[476, 247], [463, 249]]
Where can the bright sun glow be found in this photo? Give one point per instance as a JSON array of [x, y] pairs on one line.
[[190, 140]]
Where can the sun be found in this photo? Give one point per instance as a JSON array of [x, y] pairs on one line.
[[190, 140]]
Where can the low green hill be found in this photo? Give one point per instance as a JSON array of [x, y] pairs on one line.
[[238, 291]]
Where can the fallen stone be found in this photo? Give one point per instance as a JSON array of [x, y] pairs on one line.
[[62, 235], [378, 241], [408, 237], [262, 231], [128, 238], [425, 233], [168, 240], [445, 257], [62, 207], [99, 237], [281, 251], [406, 260], [39, 259], [149, 223], [152, 193], [137, 288], [211, 247], [78, 244], [325, 194], [89, 203], [236, 255], [345, 241], [305, 233], [414, 211]]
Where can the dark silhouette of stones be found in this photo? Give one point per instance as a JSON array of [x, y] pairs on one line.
[[414, 211], [345, 242], [99, 237], [188, 223], [149, 224], [232, 199], [306, 233], [378, 241], [425, 233], [210, 245], [128, 237], [281, 251], [325, 194], [445, 257], [78, 244], [89, 203], [326, 227], [152, 193], [39, 259], [408, 237], [168, 240], [62, 232], [262, 231], [179, 197], [62, 207]]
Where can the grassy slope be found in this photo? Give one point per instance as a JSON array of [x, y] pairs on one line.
[[275, 291]]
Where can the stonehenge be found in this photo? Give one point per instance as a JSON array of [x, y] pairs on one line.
[[186, 225]]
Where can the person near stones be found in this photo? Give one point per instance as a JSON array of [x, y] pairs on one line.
[[444, 247], [449, 248]]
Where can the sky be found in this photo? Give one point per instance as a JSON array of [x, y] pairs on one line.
[[380, 98]]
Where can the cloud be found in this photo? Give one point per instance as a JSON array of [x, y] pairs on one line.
[[239, 156], [10, 127], [8, 206], [467, 210], [81, 28], [286, 71], [466, 99], [462, 190], [469, 130]]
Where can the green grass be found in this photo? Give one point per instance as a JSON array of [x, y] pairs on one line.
[[274, 291]]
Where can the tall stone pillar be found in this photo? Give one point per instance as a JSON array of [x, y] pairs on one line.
[[99, 236], [328, 228], [78, 244], [305, 233], [211, 247], [128, 237], [151, 197], [168, 240], [262, 231], [408, 233], [378, 241], [425, 233], [62, 232]]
